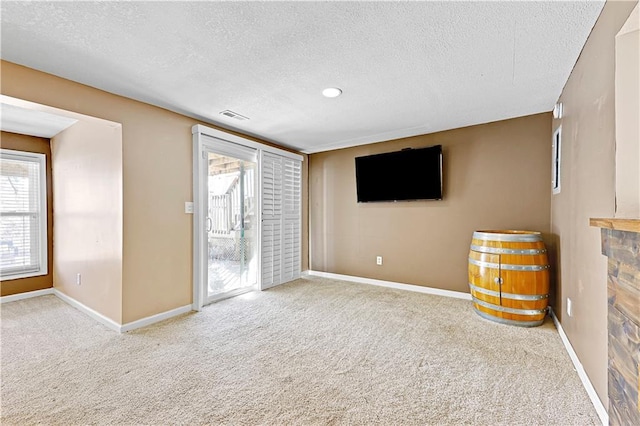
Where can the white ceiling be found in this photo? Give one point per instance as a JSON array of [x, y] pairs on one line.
[[406, 68], [28, 121]]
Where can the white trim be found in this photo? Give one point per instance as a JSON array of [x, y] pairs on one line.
[[229, 149], [199, 216], [200, 129], [231, 293], [202, 145], [391, 284], [595, 400], [108, 322], [259, 190], [556, 157], [23, 275], [43, 242], [26, 295], [111, 324], [143, 322]]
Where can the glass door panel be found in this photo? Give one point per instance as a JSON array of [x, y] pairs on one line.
[[231, 225]]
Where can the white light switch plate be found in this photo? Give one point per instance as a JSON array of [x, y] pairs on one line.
[[188, 207]]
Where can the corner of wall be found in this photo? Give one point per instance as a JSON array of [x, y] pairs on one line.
[[87, 171], [588, 190]]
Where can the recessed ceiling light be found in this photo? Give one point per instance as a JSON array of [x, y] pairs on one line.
[[332, 92]]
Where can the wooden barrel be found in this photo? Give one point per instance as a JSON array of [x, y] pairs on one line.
[[509, 277]]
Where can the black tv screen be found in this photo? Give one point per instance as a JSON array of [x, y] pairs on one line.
[[411, 174]]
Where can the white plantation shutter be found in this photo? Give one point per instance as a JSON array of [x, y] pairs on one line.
[[271, 165], [271, 253], [271, 186], [292, 181], [281, 196], [291, 246], [23, 221]]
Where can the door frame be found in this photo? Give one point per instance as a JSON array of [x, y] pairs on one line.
[[202, 143], [239, 152]]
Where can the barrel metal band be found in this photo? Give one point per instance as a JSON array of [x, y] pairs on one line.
[[508, 321], [508, 310], [496, 250], [508, 295], [508, 267], [496, 236]]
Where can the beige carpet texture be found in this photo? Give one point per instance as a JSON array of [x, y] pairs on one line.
[[311, 352]]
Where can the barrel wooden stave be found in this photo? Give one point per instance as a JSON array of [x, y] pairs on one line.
[[516, 284]]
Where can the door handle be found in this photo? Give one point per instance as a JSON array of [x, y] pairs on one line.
[[209, 224]]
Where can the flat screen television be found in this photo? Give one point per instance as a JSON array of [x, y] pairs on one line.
[[410, 174]]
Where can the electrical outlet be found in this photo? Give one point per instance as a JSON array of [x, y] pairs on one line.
[[569, 307], [379, 260], [78, 279]]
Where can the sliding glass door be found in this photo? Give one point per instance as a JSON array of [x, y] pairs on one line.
[[231, 222], [247, 215]]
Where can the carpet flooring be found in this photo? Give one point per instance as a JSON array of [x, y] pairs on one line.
[[311, 352]]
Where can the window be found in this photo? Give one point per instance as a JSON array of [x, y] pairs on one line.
[[23, 214], [555, 173]]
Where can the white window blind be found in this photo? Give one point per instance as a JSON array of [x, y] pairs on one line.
[[23, 217]]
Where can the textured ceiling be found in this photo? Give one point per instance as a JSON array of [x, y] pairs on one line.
[[406, 68]]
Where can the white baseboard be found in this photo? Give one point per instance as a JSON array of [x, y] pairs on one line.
[[143, 322], [108, 322], [595, 399], [26, 295], [391, 284]]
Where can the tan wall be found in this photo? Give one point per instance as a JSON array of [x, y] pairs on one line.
[[627, 83], [496, 176], [157, 173], [39, 145], [588, 190], [87, 173]]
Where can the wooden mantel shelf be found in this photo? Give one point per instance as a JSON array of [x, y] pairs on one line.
[[631, 225]]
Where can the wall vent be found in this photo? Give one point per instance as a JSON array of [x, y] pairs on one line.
[[234, 115]]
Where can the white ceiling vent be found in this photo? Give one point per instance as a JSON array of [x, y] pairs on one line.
[[234, 115]]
